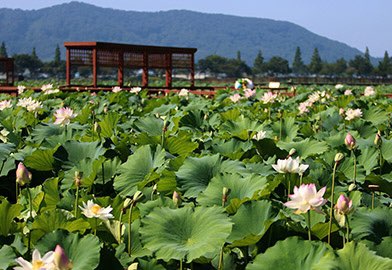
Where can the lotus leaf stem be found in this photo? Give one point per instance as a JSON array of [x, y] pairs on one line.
[[332, 202], [76, 201], [129, 228], [309, 227]]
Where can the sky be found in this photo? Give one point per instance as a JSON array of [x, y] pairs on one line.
[[358, 23]]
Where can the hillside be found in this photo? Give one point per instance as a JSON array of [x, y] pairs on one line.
[[224, 35]]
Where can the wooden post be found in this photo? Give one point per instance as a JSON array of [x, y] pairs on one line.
[[94, 67], [145, 70], [120, 72], [67, 67], [169, 68], [192, 70]]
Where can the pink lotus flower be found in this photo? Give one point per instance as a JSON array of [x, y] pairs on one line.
[[248, 93], [23, 176], [343, 205], [269, 97], [235, 98], [60, 259], [306, 198], [64, 116], [349, 141], [5, 104]]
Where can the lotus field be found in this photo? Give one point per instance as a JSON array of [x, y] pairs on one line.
[[247, 179]]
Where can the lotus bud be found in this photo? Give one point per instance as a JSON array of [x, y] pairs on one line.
[[61, 260], [225, 194], [23, 176], [154, 187], [78, 178], [292, 152], [133, 266], [137, 196], [97, 128], [176, 198], [374, 187], [349, 141], [339, 157], [343, 205], [351, 187], [377, 139], [127, 203]]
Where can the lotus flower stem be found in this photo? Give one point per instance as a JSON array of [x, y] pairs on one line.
[[76, 201], [96, 226], [220, 263], [129, 228], [120, 225], [372, 200], [348, 229], [309, 227], [16, 191], [30, 217], [355, 166], [181, 267], [103, 173], [332, 201]]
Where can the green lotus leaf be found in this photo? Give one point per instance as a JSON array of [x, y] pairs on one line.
[[150, 124], [368, 159], [42, 132], [7, 257], [305, 148], [52, 195], [291, 253], [288, 129], [137, 168], [240, 188], [53, 220], [5, 150], [84, 252], [185, 233], [251, 222], [193, 120], [6, 166], [195, 174], [150, 265], [233, 149], [354, 256], [41, 160], [383, 249], [386, 150], [371, 224], [181, 144], [240, 127], [8, 213], [376, 116], [109, 124], [78, 151]]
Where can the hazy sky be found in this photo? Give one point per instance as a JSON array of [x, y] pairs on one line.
[[358, 23]]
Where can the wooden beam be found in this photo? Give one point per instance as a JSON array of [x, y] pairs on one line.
[[145, 69], [120, 72], [169, 70], [67, 67], [95, 68]]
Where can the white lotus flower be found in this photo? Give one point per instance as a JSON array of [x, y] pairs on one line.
[[64, 116], [116, 89], [135, 90], [303, 107], [339, 86], [46, 87], [352, 114], [30, 104], [37, 263], [369, 91], [5, 104], [348, 92], [183, 93], [290, 165], [21, 89], [93, 210], [259, 135]]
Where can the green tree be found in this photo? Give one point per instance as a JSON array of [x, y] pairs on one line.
[[258, 64], [340, 66], [362, 64], [315, 65], [57, 56], [216, 65], [239, 55], [298, 65], [3, 50], [27, 61], [385, 66], [278, 65]]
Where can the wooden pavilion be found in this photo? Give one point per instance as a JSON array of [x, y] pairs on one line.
[[6, 71], [120, 56]]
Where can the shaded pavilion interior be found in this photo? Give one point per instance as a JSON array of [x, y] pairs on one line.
[[6, 71], [121, 56]]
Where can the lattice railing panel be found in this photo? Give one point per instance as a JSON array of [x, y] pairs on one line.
[[81, 57], [108, 58], [181, 60], [157, 60], [133, 59]]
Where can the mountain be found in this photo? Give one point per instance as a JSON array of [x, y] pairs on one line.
[[21, 30]]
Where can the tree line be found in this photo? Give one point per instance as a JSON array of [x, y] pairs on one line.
[[217, 65], [30, 65], [361, 65]]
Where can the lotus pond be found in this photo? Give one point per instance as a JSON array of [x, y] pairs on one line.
[[248, 179]]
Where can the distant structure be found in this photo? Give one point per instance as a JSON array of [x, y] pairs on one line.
[[6, 71], [120, 56]]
